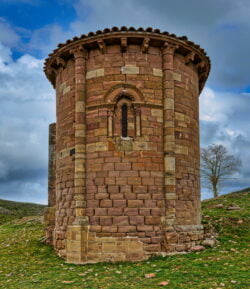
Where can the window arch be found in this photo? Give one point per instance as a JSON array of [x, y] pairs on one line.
[[124, 116]]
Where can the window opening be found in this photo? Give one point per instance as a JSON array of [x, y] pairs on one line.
[[124, 120]]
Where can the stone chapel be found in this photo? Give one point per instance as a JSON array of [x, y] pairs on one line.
[[124, 151]]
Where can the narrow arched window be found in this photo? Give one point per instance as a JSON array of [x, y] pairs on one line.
[[124, 120]]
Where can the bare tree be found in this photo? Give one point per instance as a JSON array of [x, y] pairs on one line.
[[216, 165]]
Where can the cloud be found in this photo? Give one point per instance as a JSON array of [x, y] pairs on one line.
[[221, 27], [27, 106], [225, 120], [8, 35], [27, 99]]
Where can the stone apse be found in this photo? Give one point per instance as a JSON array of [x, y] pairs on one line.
[[124, 151]]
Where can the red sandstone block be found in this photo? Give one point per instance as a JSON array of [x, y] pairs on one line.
[[135, 203], [144, 228], [131, 211], [121, 180], [150, 204], [108, 167], [125, 189], [119, 203], [110, 181], [118, 235], [152, 220], [144, 160], [146, 240], [144, 196], [138, 166], [96, 167], [91, 189], [127, 229], [144, 174], [101, 174], [136, 220], [120, 221], [129, 174], [115, 211], [101, 212], [109, 229], [134, 180], [152, 167], [102, 235], [144, 212], [113, 174], [89, 212], [100, 196], [105, 154], [139, 189], [122, 166], [147, 181], [95, 228], [99, 181], [156, 212], [106, 221], [92, 203], [94, 220], [106, 203], [116, 196], [158, 197], [113, 160], [153, 248], [112, 189]]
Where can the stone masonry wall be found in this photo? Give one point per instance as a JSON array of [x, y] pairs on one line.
[[127, 146], [65, 145], [125, 177]]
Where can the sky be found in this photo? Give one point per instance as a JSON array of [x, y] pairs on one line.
[[31, 29]]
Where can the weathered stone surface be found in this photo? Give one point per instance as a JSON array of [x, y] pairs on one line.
[[124, 153]]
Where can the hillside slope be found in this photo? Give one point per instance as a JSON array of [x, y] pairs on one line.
[[10, 210], [26, 263]]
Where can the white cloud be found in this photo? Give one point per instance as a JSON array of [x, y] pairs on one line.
[[27, 107], [8, 35]]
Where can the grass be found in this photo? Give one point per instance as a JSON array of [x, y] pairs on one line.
[[18, 210], [26, 263]]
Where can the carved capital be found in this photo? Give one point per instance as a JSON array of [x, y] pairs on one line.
[[137, 110], [110, 113], [145, 45], [51, 70], [124, 44], [79, 52], [201, 64], [102, 46], [189, 57], [169, 48], [60, 61]]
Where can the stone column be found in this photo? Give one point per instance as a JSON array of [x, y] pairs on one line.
[[78, 231], [169, 132]]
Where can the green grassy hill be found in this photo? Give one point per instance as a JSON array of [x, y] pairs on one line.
[[10, 210], [26, 263]]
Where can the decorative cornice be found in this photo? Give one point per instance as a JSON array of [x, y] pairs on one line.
[[79, 46], [169, 48], [102, 46], [190, 57], [145, 45], [124, 44], [78, 51], [60, 61]]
